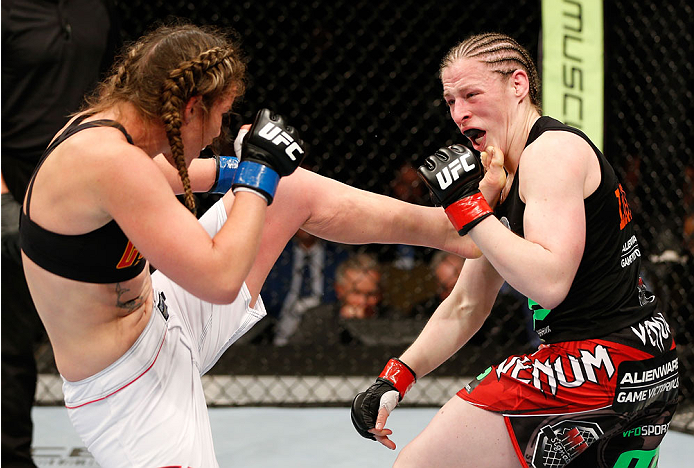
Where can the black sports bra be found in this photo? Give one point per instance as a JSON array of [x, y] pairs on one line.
[[104, 255]]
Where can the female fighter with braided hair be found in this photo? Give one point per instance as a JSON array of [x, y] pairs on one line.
[[602, 388], [131, 346]]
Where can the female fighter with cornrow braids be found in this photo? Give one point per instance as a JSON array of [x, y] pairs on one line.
[[602, 388], [101, 208]]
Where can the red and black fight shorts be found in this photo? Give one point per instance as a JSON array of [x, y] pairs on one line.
[[595, 403]]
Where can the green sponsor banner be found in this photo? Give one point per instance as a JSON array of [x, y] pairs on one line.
[[572, 64]]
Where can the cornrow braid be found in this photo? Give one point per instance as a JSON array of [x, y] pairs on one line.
[[164, 69], [181, 86], [120, 77], [117, 80], [502, 54]]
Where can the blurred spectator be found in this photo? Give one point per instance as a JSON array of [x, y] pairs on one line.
[[668, 266], [407, 186], [358, 290], [689, 234], [510, 311], [302, 278], [688, 203], [506, 312], [53, 53], [446, 268]]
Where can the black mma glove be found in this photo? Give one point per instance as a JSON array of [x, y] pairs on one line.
[[390, 388], [452, 175], [271, 149]]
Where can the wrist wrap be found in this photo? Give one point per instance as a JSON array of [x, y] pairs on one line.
[[400, 375], [258, 177], [224, 176], [467, 212]]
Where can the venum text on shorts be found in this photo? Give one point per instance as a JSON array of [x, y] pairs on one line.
[[566, 371]]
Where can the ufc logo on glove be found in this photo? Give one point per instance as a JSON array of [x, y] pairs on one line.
[[455, 186], [450, 173], [263, 160], [273, 133]]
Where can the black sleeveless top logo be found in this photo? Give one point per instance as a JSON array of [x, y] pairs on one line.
[[606, 294], [104, 255]]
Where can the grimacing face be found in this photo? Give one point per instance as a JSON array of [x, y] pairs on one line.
[[479, 100]]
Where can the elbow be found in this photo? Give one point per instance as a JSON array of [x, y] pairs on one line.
[[228, 288], [220, 291], [550, 288], [551, 296], [225, 295]]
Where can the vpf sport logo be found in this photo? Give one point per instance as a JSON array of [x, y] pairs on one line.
[[450, 173], [277, 136]]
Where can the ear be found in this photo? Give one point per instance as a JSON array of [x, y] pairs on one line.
[[521, 83], [192, 107]]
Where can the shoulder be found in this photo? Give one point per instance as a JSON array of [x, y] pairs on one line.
[[555, 145], [109, 169], [555, 151], [107, 149], [560, 161]]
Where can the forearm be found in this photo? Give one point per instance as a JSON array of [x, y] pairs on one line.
[[439, 340], [458, 317], [528, 267], [450, 327]]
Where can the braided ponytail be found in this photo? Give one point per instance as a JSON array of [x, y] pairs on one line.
[[182, 84], [172, 105], [167, 67]]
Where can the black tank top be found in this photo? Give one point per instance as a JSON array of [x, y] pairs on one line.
[[606, 294], [104, 255]]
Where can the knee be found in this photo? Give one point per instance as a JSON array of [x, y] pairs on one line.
[[406, 458]]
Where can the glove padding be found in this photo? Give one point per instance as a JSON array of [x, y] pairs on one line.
[[390, 387], [452, 175], [271, 141], [366, 404], [271, 149]]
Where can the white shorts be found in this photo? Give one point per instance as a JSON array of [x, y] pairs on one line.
[[148, 408]]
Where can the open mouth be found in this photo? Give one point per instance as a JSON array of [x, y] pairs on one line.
[[475, 135]]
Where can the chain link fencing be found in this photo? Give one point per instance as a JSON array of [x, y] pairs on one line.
[[360, 81]]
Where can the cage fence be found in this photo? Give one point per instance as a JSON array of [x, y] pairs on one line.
[[360, 81]]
